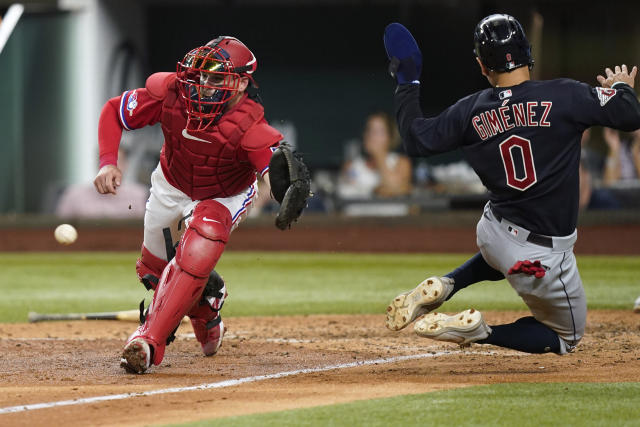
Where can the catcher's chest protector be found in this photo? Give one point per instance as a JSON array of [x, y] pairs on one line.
[[206, 164]]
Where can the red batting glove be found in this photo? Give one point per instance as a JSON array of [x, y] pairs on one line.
[[534, 268]]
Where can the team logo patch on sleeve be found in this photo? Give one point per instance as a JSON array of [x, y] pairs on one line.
[[132, 102], [605, 94]]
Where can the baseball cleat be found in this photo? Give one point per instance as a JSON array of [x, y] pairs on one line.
[[636, 306], [426, 297], [462, 328], [209, 334], [136, 356]]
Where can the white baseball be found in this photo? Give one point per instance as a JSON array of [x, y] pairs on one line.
[[65, 234]]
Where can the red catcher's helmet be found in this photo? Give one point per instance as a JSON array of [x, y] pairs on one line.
[[209, 76]]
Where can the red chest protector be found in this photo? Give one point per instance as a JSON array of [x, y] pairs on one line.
[[210, 163]]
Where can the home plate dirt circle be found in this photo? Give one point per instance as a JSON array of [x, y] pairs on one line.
[[291, 362]]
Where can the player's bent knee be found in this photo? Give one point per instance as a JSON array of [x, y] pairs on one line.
[[197, 254], [204, 240], [149, 268], [212, 220]]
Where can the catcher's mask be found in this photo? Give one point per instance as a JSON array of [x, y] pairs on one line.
[[210, 75]]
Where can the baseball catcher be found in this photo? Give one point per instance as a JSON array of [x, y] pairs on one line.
[[522, 138], [216, 141]]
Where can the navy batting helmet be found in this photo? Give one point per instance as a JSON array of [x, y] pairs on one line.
[[501, 44]]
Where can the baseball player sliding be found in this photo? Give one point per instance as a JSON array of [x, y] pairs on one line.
[[522, 138], [215, 141]]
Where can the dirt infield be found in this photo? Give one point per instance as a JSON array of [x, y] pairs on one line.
[[52, 362]]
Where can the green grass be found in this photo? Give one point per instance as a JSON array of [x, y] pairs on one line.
[[267, 283], [572, 404]]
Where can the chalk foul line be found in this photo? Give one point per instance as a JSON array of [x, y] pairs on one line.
[[227, 383]]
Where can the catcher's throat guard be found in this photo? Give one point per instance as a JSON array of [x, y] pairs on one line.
[[290, 184]]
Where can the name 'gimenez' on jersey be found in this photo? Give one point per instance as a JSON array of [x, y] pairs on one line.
[[523, 142]]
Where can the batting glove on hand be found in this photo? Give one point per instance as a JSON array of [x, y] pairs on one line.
[[404, 54]]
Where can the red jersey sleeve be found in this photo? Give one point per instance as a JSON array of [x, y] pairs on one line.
[[132, 110], [259, 142], [260, 158], [138, 108]]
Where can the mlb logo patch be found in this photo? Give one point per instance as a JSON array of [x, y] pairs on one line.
[[505, 94], [513, 231], [605, 94]]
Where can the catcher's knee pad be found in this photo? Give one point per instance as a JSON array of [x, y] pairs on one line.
[[203, 241], [149, 268]]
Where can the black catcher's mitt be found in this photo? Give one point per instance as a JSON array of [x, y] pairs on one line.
[[290, 184]]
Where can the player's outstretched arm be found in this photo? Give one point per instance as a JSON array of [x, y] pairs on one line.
[[108, 179], [405, 66], [618, 74], [404, 54], [615, 104]]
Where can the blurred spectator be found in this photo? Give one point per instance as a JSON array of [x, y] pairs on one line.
[[623, 158], [83, 201], [378, 171], [586, 180], [590, 195]]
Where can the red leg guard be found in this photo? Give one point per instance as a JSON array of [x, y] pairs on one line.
[[184, 279], [205, 317], [149, 268]]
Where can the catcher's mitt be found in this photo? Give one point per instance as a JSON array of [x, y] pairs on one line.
[[290, 184]]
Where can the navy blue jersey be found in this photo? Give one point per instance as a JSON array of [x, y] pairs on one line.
[[523, 142]]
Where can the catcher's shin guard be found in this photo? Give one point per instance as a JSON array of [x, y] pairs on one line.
[[149, 268], [205, 318], [183, 281]]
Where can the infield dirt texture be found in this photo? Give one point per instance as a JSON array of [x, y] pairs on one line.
[[72, 361], [76, 360]]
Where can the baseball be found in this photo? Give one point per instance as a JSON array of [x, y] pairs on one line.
[[65, 234]]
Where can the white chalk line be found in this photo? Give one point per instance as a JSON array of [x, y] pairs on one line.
[[229, 383]]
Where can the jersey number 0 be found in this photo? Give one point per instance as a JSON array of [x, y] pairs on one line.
[[518, 148]]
